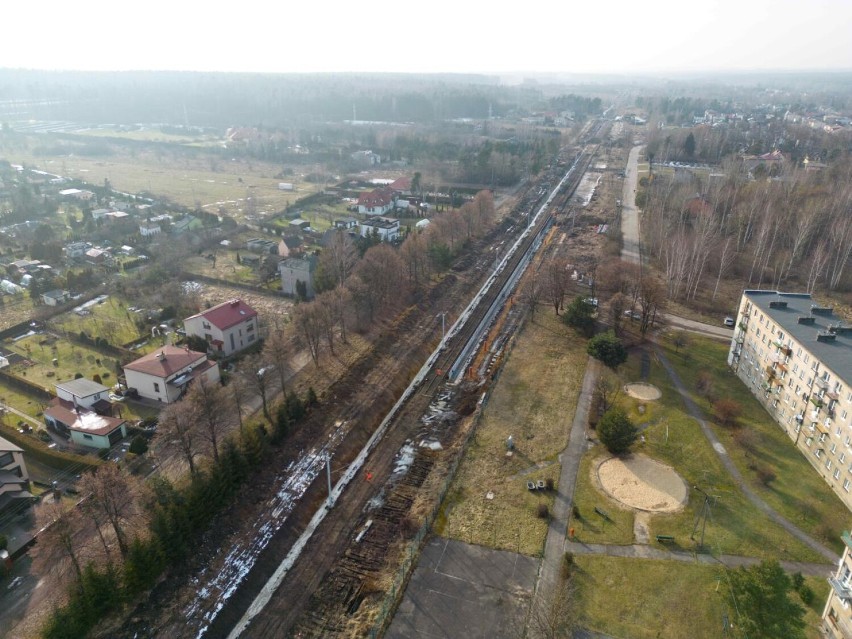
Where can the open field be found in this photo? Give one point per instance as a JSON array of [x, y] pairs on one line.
[[645, 599], [150, 134], [208, 181], [534, 402], [111, 320], [798, 491], [673, 438]]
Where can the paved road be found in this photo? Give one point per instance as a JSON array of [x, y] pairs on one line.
[[629, 213], [554, 545], [721, 331], [719, 449]]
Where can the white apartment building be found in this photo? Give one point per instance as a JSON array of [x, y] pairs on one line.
[[837, 615], [796, 357]]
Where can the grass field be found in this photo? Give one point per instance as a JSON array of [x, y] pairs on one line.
[[644, 599], [533, 401], [674, 438], [798, 491], [110, 320]]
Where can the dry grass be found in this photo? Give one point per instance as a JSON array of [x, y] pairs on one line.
[[533, 401]]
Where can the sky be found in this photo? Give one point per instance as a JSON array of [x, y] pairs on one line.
[[568, 36]]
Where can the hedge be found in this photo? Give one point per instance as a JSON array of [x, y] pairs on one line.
[[37, 449]]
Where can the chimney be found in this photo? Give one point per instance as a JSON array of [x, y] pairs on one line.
[[161, 356]]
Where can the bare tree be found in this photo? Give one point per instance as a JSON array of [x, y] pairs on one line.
[[257, 375], [338, 259], [112, 497], [556, 282], [309, 327], [606, 392], [277, 350], [554, 615], [212, 412], [239, 395], [178, 426], [532, 292], [60, 549], [617, 305]]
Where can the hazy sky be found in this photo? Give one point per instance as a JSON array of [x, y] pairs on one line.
[[580, 36]]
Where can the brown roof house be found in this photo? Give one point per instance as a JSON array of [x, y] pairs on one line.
[[166, 373]]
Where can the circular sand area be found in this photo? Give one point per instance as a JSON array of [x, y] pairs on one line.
[[642, 483], [643, 391]]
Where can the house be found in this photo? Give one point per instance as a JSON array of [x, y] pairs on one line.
[[187, 223], [85, 427], [346, 223], [55, 297], [299, 225], [261, 245], [97, 214], [294, 270], [795, 357], [165, 374], [147, 229], [75, 249], [228, 327], [117, 216], [283, 249], [837, 614], [375, 202], [14, 478], [367, 158], [86, 393], [385, 227], [400, 185], [85, 196], [96, 256]]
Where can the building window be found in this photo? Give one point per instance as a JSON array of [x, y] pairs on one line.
[[89, 437], [822, 437], [833, 449], [156, 387], [828, 464], [844, 415], [251, 338], [846, 483], [842, 458], [818, 453], [795, 368], [836, 473], [809, 441]]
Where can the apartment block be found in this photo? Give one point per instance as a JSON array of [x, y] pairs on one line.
[[837, 615], [796, 357]]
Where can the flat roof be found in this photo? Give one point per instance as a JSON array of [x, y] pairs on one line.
[[81, 387], [835, 354]]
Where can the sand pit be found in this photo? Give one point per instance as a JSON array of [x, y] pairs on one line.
[[644, 484], [643, 391]]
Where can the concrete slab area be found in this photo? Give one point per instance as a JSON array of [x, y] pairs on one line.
[[462, 590]]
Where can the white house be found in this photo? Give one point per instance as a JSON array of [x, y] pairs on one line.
[[148, 229], [385, 227], [165, 374], [85, 427], [376, 202], [228, 327], [294, 270], [84, 392], [14, 478]]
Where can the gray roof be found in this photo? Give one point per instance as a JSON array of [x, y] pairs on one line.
[[835, 354], [6, 446], [82, 387]]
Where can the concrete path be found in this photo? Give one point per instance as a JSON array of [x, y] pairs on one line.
[[629, 213], [640, 551], [20, 414], [720, 451], [549, 573]]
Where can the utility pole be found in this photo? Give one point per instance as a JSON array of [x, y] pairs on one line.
[[703, 514], [328, 477]]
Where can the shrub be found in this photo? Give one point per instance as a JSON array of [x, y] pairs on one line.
[[543, 512], [575, 511], [806, 594], [727, 411], [139, 445], [704, 384], [607, 348], [567, 565], [765, 475], [578, 315], [4, 543], [616, 432], [550, 483]]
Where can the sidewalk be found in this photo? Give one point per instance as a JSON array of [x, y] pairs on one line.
[[734, 472], [554, 546], [641, 551]]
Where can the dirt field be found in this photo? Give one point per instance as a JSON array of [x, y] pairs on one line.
[[640, 482], [643, 391]]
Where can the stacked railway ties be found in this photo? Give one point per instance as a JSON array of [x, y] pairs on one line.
[[447, 364]]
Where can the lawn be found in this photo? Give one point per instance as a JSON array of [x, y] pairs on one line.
[[798, 492], [533, 401], [111, 320], [644, 599], [672, 437]]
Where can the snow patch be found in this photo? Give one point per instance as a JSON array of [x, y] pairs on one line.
[[404, 459]]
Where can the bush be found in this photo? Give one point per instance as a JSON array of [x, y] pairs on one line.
[[575, 511], [567, 565], [727, 411], [550, 483], [607, 348], [704, 384], [139, 445], [616, 432], [765, 475], [543, 512], [806, 594], [578, 315]]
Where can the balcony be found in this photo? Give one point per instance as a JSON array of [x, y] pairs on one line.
[[839, 627], [823, 384], [816, 400], [771, 372], [847, 539], [842, 588]]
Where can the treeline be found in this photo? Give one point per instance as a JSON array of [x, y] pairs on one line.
[[791, 231], [221, 100], [124, 534], [355, 293]]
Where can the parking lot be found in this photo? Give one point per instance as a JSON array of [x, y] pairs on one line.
[[462, 590]]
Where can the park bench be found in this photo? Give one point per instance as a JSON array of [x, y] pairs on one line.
[[665, 539], [602, 513]]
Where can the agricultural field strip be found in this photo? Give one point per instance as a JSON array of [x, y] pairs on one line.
[[277, 578]]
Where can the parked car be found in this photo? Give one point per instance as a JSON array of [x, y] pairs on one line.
[[591, 301], [633, 314], [729, 321]]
